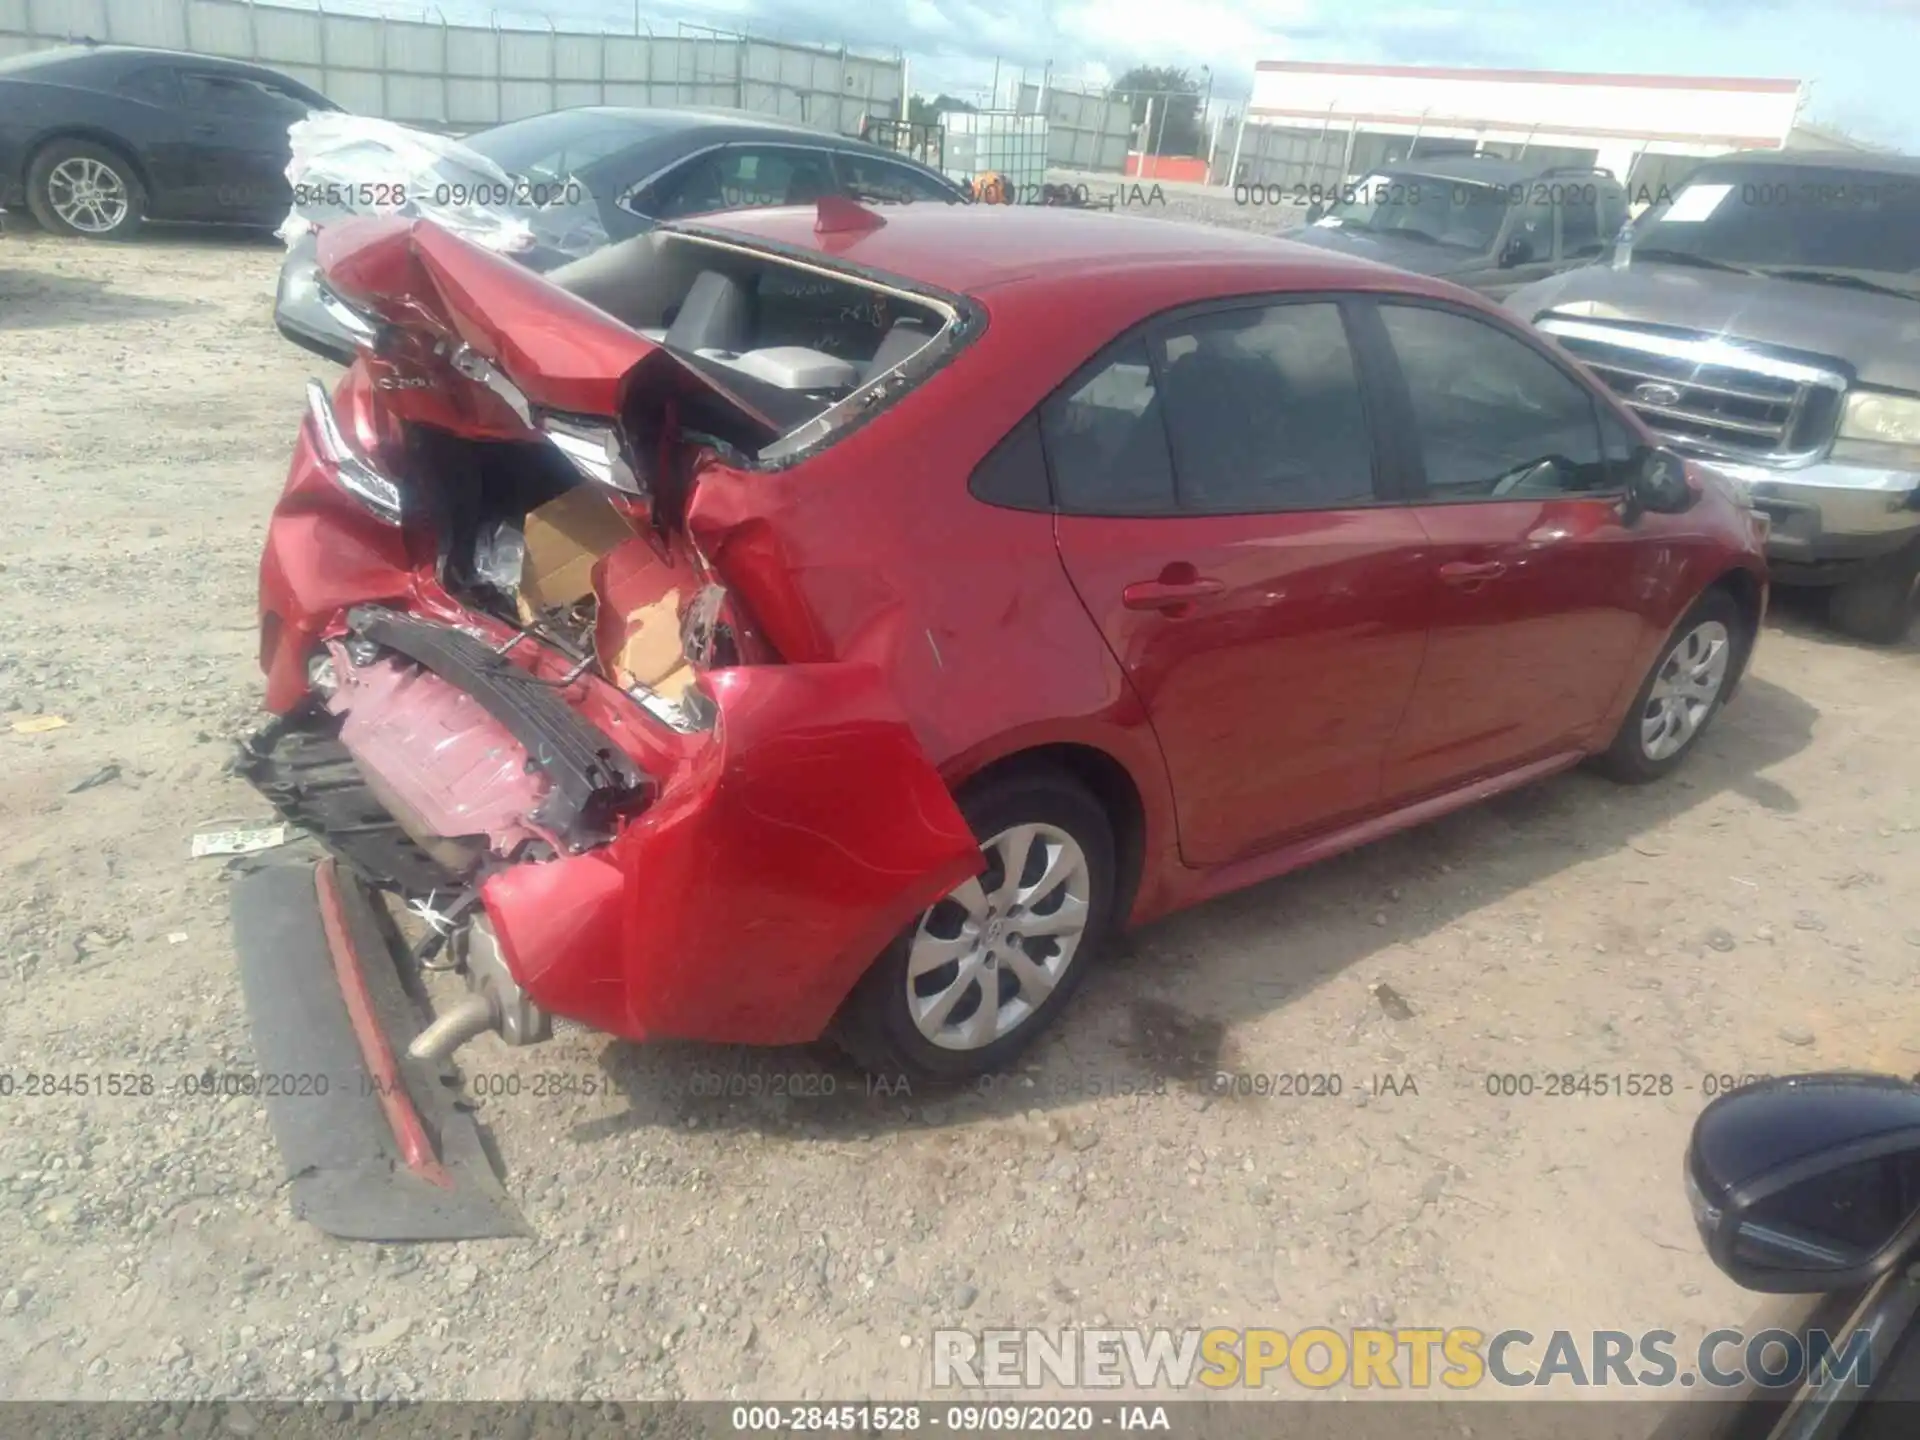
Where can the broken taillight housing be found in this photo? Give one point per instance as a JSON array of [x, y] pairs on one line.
[[353, 472]]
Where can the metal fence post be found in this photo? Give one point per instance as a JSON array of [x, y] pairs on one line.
[[386, 64], [320, 28]]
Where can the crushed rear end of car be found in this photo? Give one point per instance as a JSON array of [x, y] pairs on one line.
[[540, 675]]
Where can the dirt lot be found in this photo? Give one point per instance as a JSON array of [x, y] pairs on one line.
[[1760, 913]]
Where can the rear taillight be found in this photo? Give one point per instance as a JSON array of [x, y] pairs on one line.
[[352, 470]]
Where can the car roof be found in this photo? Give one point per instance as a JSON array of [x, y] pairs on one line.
[[1874, 163], [678, 120], [1479, 169], [116, 59], [971, 249]]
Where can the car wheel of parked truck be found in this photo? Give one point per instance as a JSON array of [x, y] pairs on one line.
[[75, 187], [975, 978], [1881, 604], [1682, 692]]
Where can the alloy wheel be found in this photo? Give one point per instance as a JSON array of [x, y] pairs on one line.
[[1684, 692], [986, 957], [88, 195]]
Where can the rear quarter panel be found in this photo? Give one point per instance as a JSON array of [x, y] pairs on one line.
[[875, 551]]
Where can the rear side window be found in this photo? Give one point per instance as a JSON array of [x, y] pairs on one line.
[[151, 83], [1105, 440], [1014, 474], [1264, 409], [872, 177], [240, 95], [1493, 417], [741, 178]]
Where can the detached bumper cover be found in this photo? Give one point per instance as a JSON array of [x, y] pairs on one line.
[[374, 1146]]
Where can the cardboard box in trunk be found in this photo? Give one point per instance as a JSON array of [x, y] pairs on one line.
[[564, 539]]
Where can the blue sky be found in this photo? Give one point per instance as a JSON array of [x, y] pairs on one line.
[[1861, 56]]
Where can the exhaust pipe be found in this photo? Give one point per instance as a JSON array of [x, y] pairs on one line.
[[473, 1016], [496, 1003]]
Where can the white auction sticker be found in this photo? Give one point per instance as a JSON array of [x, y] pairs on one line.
[[1694, 204]]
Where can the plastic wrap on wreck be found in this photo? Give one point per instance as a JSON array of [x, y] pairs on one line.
[[356, 165]]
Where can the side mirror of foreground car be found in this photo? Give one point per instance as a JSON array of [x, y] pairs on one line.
[[1810, 1183], [1658, 482]]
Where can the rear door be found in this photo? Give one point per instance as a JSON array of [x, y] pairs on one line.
[[1534, 578], [1220, 516]]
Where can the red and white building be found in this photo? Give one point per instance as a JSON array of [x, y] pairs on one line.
[[1637, 126]]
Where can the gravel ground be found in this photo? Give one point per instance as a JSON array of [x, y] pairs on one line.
[[1756, 914]]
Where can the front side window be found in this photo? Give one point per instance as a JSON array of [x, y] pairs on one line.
[[1493, 417], [1580, 232], [1264, 409]]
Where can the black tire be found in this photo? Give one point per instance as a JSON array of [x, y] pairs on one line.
[[1627, 759], [41, 182], [875, 1028], [1880, 604]]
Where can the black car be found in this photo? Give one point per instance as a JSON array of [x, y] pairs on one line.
[[1489, 224], [1807, 1189], [96, 139], [629, 167], [662, 164]]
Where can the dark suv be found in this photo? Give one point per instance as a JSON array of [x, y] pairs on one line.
[[1766, 320], [1493, 225]]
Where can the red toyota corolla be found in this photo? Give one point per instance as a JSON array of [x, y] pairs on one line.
[[841, 622]]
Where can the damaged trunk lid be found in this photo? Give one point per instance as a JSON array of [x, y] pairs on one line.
[[458, 337]]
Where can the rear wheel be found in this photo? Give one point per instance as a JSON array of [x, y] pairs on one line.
[[75, 187], [1682, 693], [975, 978], [1880, 605]]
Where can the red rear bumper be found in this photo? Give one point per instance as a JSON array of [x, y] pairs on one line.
[[773, 856]]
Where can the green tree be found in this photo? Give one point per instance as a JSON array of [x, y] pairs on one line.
[[1175, 96]]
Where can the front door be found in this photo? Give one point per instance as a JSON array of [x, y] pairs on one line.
[[237, 127], [1535, 576], [1219, 517]]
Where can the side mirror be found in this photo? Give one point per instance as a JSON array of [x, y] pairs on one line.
[[1517, 251], [1315, 211], [1808, 1184], [1658, 483]]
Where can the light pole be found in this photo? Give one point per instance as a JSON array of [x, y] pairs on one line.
[[1206, 103]]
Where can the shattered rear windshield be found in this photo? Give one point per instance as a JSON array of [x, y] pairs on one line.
[[805, 347]]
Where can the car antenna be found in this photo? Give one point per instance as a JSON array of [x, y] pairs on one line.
[[837, 215]]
